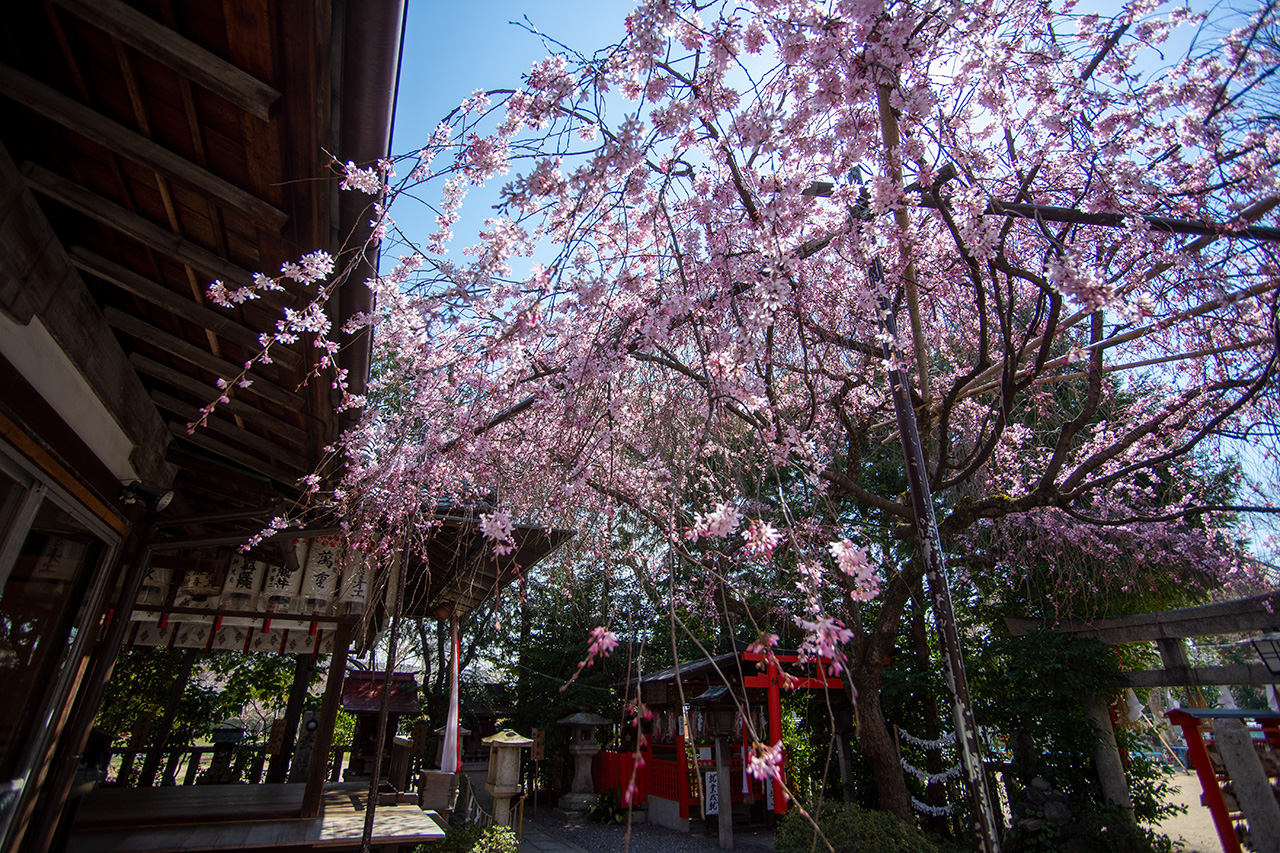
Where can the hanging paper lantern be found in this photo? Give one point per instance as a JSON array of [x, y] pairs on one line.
[[321, 559], [353, 591]]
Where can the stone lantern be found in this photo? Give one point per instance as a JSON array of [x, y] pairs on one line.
[[583, 747], [503, 781]]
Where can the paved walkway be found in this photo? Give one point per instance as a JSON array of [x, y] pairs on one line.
[[537, 839]]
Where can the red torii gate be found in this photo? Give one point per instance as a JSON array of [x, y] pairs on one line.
[[716, 688], [771, 680]]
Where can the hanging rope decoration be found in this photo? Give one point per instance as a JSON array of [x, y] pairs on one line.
[[933, 811], [930, 778], [924, 778], [949, 739]]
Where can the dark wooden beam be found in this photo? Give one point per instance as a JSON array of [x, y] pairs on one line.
[[1259, 613], [193, 354], [316, 773], [229, 430], [162, 297], [213, 478], [76, 117], [166, 46], [144, 231], [58, 296], [226, 451], [205, 391]]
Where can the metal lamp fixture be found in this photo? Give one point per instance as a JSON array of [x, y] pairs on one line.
[[153, 499], [1268, 648]]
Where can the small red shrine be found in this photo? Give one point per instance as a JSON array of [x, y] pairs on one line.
[[725, 700]]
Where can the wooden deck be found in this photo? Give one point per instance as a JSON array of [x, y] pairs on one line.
[[238, 817]]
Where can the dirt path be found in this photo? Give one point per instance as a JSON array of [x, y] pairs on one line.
[[1195, 828]]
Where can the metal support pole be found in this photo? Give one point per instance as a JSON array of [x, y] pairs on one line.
[[935, 572]]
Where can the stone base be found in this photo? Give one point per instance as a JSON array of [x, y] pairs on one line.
[[572, 808], [667, 813]]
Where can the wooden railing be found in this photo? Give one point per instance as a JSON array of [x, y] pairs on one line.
[[183, 765]]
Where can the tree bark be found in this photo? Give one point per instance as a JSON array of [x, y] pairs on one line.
[[877, 746]]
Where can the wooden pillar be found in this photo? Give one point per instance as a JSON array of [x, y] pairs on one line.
[[1212, 794], [683, 792], [846, 766], [278, 769], [1106, 755], [775, 730], [724, 785], [313, 796]]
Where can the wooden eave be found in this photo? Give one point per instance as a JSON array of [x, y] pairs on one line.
[[156, 146]]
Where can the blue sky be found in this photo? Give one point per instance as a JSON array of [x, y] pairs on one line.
[[453, 49]]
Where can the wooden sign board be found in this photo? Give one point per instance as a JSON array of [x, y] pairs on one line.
[[419, 738], [141, 728], [275, 742], [539, 750]]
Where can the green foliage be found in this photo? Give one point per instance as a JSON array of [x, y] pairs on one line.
[[141, 683], [606, 809], [1028, 690], [850, 829], [1149, 788], [498, 839], [468, 837], [1104, 830], [222, 685]]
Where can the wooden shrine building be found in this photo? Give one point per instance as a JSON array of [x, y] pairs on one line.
[[695, 750], [147, 148]]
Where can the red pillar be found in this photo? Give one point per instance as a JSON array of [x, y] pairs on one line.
[[682, 773], [775, 730], [1208, 779]]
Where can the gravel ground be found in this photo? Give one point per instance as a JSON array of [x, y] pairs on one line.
[[645, 837]]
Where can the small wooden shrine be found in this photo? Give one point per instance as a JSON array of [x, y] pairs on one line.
[[729, 702], [362, 694]]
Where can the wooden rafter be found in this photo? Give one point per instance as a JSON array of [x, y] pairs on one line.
[[162, 297], [75, 116], [205, 391], [187, 58], [229, 430], [143, 230], [168, 47], [253, 463], [189, 352]]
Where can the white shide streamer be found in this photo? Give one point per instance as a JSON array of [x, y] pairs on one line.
[[946, 740], [932, 811], [952, 772]]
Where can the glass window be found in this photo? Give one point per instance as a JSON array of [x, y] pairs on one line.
[[39, 619]]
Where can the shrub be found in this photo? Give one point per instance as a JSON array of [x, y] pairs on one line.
[[849, 828], [467, 837], [1104, 830], [497, 839], [606, 809]]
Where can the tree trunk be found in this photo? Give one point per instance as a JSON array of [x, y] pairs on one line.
[[877, 746]]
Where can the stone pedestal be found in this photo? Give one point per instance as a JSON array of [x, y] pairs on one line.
[[582, 746]]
